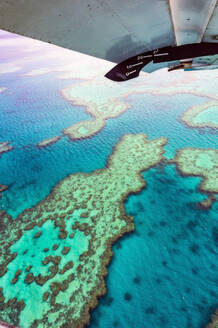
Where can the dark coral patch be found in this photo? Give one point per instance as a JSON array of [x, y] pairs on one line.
[[213, 266], [174, 240], [150, 310], [45, 296], [175, 251], [55, 246], [118, 245], [187, 290], [215, 235], [65, 250], [191, 225], [28, 268], [38, 234], [194, 248], [29, 278], [163, 320], [140, 207], [212, 293], [107, 301], [127, 296], [137, 280], [94, 322], [15, 307], [67, 266], [200, 308], [16, 276], [150, 233], [195, 271], [210, 249]]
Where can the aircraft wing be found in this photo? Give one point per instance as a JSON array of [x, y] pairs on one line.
[[111, 29]]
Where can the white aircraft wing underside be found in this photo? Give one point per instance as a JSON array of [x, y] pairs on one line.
[[111, 29]]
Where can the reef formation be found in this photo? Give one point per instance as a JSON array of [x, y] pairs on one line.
[[202, 163], [2, 188], [102, 99], [214, 320], [204, 115], [5, 147], [54, 255], [101, 108], [113, 100], [48, 142]]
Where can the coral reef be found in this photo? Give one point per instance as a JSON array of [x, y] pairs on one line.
[[103, 99], [2, 188], [84, 129], [202, 163], [204, 115], [100, 108], [214, 321], [5, 147], [77, 223], [48, 142], [207, 203]]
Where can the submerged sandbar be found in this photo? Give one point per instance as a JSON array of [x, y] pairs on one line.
[[59, 249]]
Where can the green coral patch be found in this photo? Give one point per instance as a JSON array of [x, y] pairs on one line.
[[204, 161], [54, 255], [200, 162], [204, 115]]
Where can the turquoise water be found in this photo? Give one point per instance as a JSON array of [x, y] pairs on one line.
[[208, 115], [165, 273], [31, 119], [34, 256]]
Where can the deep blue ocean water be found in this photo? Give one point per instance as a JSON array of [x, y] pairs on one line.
[[164, 274]]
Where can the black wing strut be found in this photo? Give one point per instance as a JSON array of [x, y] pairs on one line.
[[130, 68]]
